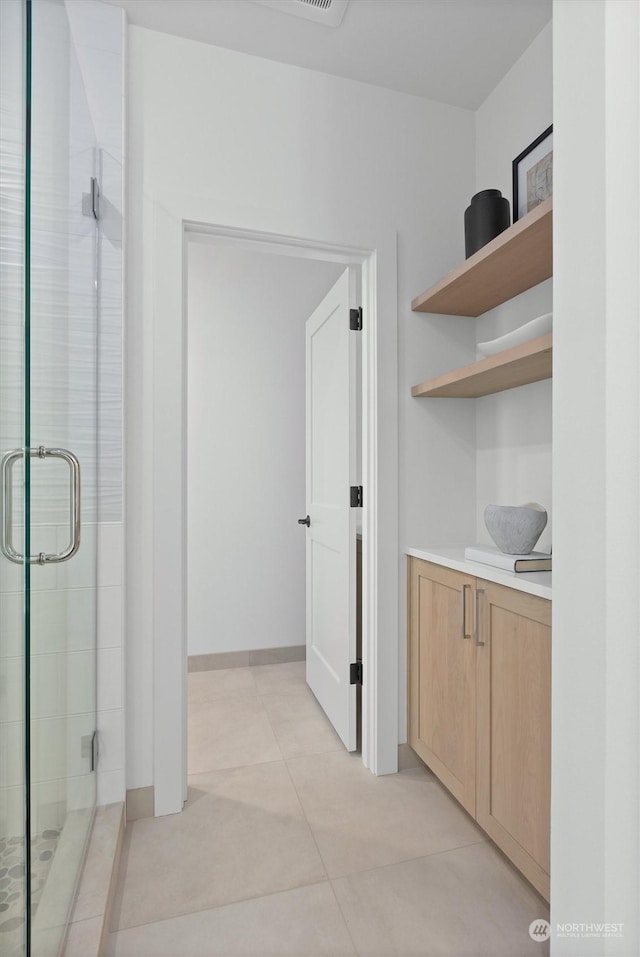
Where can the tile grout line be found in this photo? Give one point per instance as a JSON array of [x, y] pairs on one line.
[[236, 694], [407, 860], [410, 860], [329, 879], [121, 877], [377, 867], [258, 694], [234, 767], [311, 831], [306, 821], [240, 767], [344, 918], [382, 867], [303, 754], [273, 731], [191, 775], [216, 907]]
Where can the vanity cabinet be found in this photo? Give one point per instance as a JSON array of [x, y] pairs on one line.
[[480, 704], [442, 676], [513, 780]]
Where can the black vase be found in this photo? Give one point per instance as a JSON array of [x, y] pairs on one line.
[[486, 217]]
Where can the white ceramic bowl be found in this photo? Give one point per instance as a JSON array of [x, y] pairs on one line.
[[531, 330]]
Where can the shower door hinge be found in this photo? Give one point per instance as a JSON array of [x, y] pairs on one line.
[[355, 319], [95, 197], [89, 749], [355, 672], [91, 200], [355, 496]]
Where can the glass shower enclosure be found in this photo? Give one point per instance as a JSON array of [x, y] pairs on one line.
[[49, 314]]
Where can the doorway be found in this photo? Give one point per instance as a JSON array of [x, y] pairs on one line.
[[168, 229], [247, 310]]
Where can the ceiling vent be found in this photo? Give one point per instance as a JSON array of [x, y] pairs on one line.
[[327, 12]]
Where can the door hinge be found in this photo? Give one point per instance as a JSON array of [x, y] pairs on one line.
[[95, 197], [91, 200], [89, 749], [356, 496], [355, 673], [355, 319]]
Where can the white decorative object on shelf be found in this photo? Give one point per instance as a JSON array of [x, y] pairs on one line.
[[531, 330], [515, 528]]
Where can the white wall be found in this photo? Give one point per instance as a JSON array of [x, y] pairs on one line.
[[289, 151], [513, 429], [595, 823], [246, 445], [516, 111]]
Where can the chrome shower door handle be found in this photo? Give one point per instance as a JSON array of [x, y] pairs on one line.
[[8, 461], [74, 504]]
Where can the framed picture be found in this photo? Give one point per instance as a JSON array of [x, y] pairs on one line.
[[533, 175]]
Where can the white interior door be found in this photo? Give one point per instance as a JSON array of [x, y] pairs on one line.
[[331, 534]]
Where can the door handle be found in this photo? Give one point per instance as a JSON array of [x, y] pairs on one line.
[[464, 611], [479, 591], [6, 470], [304, 521]]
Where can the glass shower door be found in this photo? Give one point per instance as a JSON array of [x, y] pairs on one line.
[[49, 442], [13, 727]]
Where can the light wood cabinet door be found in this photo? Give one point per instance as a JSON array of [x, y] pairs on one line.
[[514, 726], [442, 676]]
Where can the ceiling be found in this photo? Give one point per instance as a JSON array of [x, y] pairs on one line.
[[454, 51]]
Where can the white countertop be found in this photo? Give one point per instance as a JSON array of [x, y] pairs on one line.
[[452, 556]]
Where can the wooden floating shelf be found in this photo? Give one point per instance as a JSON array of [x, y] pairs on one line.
[[516, 260], [529, 362]]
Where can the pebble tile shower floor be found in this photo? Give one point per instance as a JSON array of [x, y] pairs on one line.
[[43, 848]]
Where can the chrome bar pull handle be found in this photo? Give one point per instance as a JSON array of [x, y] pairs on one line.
[[6, 470], [479, 591], [74, 505], [8, 461], [464, 611]]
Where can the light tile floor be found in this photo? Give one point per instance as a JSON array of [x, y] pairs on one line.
[[288, 847]]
